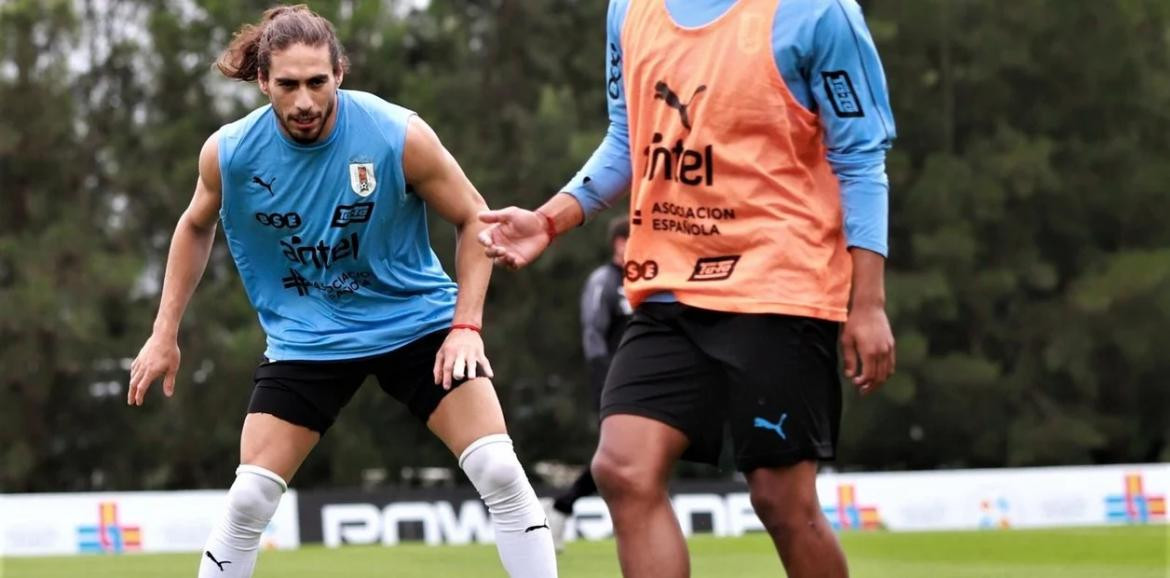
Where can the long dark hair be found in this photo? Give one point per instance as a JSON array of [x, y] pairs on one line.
[[250, 52]]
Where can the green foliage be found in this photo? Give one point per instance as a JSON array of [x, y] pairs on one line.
[[1027, 281], [1029, 278]]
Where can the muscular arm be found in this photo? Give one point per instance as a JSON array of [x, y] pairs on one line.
[[191, 243], [438, 180], [190, 249]]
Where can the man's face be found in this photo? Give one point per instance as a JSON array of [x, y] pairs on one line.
[[619, 250], [303, 90]]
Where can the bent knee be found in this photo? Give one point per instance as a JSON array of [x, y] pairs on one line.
[[785, 514], [618, 476], [255, 494], [491, 464]]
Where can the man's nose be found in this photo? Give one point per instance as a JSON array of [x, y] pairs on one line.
[[303, 102]]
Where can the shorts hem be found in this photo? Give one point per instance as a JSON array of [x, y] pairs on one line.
[[784, 459], [317, 428]]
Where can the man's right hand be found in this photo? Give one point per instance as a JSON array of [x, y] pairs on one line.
[[516, 236], [159, 357]]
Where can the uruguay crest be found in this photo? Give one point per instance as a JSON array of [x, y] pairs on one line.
[[361, 178]]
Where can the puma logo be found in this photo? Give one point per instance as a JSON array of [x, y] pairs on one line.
[[777, 427], [531, 528], [217, 562], [267, 185], [663, 91]]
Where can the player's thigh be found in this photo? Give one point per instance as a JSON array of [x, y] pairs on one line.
[[293, 404], [276, 445], [661, 378], [458, 416], [467, 413]]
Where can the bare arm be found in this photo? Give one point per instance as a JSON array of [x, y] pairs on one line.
[[867, 340], [438, 180], [186, 261], [191, 244]]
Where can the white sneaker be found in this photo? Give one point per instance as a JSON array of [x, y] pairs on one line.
[[556, 526]]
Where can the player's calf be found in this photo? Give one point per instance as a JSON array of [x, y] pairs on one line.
[[232, 547], [522, 531], [786, 502]]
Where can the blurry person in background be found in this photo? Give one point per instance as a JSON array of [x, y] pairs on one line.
[[323, 196]]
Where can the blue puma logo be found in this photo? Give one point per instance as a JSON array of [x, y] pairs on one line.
[[777, 427]]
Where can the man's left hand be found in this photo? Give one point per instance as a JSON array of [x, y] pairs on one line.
[[459, 357]]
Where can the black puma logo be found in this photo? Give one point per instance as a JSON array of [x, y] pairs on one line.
[[217, 562], [663, 91], [531, 528], [267, 185]]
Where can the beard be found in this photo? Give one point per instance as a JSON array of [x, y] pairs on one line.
[[312, 134]]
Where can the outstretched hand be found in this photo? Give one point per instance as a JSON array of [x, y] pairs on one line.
[[515, 238]]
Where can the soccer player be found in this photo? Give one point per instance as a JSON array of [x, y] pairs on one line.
[[323, 196], [752, 135], [604, 313]]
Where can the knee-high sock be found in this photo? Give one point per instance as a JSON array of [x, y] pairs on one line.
[[522, 534], [232, 547]]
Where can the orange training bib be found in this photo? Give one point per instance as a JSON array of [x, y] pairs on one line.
[[733, 204]]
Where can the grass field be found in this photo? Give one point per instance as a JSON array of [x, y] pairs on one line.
[[1114, 552]]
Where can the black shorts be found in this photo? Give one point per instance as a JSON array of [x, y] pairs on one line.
[[773, 377], [312, 393]]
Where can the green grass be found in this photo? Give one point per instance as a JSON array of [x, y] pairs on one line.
[[1113, 552]]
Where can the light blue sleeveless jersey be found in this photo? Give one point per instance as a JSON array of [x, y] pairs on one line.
[[332, 248]]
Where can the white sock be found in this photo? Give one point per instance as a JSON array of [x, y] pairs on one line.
[[232, 547], [522, 534]]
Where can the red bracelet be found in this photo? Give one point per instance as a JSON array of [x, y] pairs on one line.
[[550, 226], [470, 326]]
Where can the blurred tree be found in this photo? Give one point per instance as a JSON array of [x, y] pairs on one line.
[[1028, 264]]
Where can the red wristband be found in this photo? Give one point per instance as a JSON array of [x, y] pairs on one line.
[[470, 326], [550, 226]]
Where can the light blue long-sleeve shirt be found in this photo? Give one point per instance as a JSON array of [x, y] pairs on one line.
[[813, 41]]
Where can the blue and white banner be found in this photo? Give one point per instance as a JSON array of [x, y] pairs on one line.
[[123, 522], [58, 524]]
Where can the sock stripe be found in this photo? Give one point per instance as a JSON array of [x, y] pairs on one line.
[[483, 441], [264, 473]]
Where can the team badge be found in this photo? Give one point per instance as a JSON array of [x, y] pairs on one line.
[[361, 178]]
